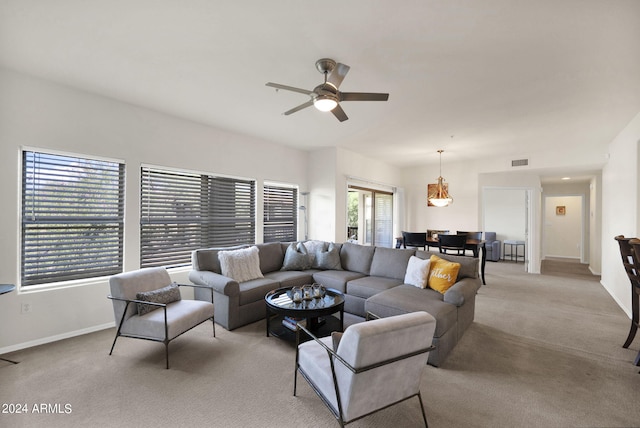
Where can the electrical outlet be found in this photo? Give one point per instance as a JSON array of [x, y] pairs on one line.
[[26, 308]]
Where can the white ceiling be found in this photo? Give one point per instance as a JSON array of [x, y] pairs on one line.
[[473, 77]]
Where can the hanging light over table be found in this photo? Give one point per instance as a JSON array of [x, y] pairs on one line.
[[441, 198]]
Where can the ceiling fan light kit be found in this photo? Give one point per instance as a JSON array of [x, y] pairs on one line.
[[326, 96], [325, 102]]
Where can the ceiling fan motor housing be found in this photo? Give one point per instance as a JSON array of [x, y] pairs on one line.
[[325, 65]]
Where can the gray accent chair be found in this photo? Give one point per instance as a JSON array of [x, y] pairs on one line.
[[492, 246], [160, 325], [375, 364]]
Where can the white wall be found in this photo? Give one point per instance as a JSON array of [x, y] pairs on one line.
[[563, 233], [589, 252], [505, 213], [41, 115], [462, 214], [330, 171], [620, 208]]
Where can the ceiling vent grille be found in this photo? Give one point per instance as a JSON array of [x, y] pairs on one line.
[[520, 162]]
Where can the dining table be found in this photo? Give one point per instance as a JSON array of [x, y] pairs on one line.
[[477, 246]]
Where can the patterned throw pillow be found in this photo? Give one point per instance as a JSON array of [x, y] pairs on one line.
[[241, 265], [417, 272], [296, 257], [443, 274], [329, 259], [313, 247], [166, 295]]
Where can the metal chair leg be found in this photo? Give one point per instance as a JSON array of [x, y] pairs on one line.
[[114, 344], [166, 352], [424, 416]]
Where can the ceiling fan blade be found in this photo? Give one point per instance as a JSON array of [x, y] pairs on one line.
[[363, 96], [337, 75], [300, 107], [339, 113], [289, 88]]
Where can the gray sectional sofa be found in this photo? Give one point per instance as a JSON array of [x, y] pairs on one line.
[[371, 278]]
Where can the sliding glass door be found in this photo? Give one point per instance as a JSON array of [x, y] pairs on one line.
[[370, 217]]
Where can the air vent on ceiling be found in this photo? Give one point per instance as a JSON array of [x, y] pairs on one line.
[[520, 162]]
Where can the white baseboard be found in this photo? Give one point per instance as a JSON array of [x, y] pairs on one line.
[[613, 296], [42, 341]]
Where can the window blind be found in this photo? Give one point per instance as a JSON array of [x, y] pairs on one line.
[[72, 218], [182, 211], [280, 214]]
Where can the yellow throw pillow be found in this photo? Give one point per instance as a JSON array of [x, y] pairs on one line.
[[443, 274]]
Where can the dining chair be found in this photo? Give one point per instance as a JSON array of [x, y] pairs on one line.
[[452, 243], [630, 252], [414, 239], [471, 235]]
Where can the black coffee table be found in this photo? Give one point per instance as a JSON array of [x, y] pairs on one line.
[[317, 312]]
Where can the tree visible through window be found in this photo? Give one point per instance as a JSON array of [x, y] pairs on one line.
[[182, 211], [72, 218]]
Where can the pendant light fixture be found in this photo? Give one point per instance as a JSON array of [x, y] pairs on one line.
[[441, 197]]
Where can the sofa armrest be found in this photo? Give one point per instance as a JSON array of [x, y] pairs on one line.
[[220, 283], [462, 291]]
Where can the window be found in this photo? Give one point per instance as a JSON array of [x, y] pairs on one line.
[[280, 213], [72, 218], [182, 211], [370, 216]]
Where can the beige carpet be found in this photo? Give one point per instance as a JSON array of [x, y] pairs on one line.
[[544, 351]]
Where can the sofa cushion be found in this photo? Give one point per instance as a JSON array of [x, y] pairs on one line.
[[356, 258], [271, 257], [207, 258], [296, 257], [442, 274], [369, 285], [417, 272], [255, 290], [166, 295], [468, 265], [291, 278], [336, 279], [407, 298], [241, 265], [390, 262], [328, 259]]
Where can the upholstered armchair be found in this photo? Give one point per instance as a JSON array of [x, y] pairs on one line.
[[147, 305], [373, 365], [492, 246]]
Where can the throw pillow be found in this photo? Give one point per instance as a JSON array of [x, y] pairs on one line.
[[166, 295], [241, 265], [312, 249], [417, 272], [329, 259], [443, 274], [296, 257]]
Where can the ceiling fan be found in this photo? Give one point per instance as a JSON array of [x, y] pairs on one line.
[[326, 96]]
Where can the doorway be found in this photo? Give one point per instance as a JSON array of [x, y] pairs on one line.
[[563, 228], [369, 216]]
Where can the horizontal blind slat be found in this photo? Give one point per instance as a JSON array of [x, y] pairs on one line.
[[182, 211], [72, 218]]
